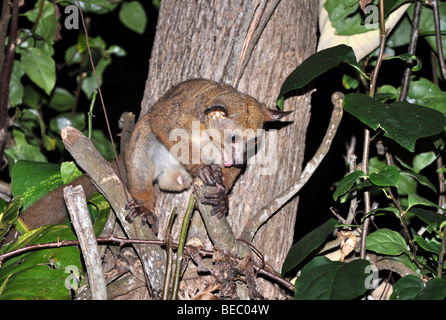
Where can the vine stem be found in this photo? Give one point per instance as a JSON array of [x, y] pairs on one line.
[[182, 241], [123, 241], [438, 37], [169, 253], [101, 97], [411, 49], [274, 205], [441, 256], [366, 148], [406, 229]]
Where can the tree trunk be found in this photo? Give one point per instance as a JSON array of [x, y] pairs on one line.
[[253, 46]]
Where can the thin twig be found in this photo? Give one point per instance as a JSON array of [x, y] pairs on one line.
[[169, 253], [441, 255], [102, 100], [38, 17], [184, 228], [273, 206], [411, 49], [351, 160], [438, 37], [366, 146], [406, 229], [123, 241]]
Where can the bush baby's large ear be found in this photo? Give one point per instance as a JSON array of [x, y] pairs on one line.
[[274, 115]]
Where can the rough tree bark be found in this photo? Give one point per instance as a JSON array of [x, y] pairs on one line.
[[252, 45]]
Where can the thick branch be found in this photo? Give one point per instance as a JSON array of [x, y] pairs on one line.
[[219, 230], [101, 172], [267, 211]]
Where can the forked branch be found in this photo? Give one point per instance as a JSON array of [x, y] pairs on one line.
[[273, 206]]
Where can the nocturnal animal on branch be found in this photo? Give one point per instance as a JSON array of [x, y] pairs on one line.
[[200, 118]]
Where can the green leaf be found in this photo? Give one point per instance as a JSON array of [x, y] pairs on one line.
[[426, 152], [32, 180], [133, 16], [349, 82], [89, 84], [33, 115], [47, 11], [407, 185], [102, 144], [415, 199], [23, 151], [47, 25], [72, 55], [40, 274], [425, 93], [63, 120], [16, 91], [346, 17], [412, 288], [388, 176], [99, 210], [69, 172], [407, 288], [31, 96], [386, 209], [307, 244], [322, 279], [347, 183], [403, 122], [2, 205], [406, 57], [421, 179], [117, 50], [386, 241], [430, 245], [156, 4], [391, 5], [61, 100], [314, 66], [40, 68], [9, 215], [97, 6], [97, 44], [432, 218]]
